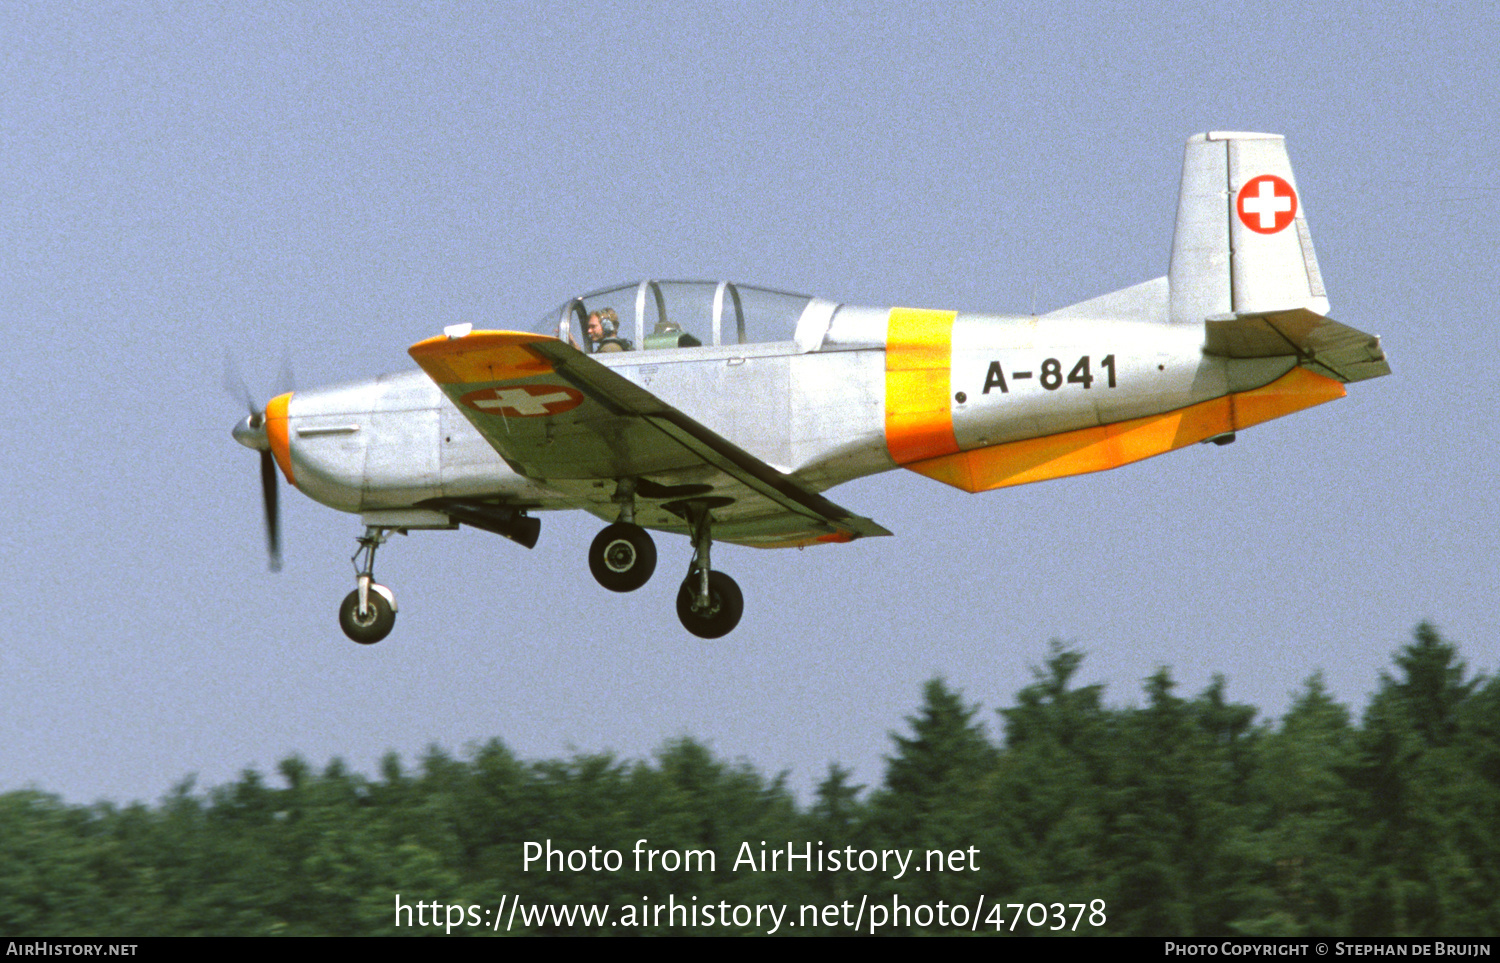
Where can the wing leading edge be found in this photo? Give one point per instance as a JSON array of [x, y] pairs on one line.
[[558, 416]]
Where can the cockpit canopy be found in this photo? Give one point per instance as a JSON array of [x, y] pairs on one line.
[[651, 315]]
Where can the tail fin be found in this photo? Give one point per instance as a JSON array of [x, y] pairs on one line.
[[1241, 244]]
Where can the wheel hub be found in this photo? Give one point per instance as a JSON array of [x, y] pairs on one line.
[[620, 556]]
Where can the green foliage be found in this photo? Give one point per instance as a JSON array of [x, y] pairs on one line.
[[1184, 814], [944, 756], [1429, 813]]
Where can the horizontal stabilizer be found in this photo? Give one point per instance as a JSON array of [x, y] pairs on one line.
[[1318, 342]]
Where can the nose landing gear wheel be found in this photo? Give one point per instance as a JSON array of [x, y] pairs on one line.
[[375, 624], [622, 557], [725, 606]]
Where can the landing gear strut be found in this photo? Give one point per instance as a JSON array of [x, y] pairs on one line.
[[369, 612], [623, 556], [709, 603]]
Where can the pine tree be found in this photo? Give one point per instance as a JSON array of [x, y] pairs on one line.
[[933, 784], [944, 757], [1428, 839]]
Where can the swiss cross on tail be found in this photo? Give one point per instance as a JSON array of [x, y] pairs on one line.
[[524, 401], [1266, 204]]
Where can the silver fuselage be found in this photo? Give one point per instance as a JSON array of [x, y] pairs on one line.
[[815, 408]]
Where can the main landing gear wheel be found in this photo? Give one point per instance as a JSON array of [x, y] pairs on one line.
[[372, 625], [622, 557], [725, 605]]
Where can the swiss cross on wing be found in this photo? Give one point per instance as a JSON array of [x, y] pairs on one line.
[[1266, 204], [524, 401]]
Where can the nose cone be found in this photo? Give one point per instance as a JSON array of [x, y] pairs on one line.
[[251, 432]]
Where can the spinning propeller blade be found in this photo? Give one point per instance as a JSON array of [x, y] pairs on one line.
[[252, 434], [269, 490]]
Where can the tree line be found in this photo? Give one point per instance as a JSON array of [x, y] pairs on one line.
[[1185, 816]]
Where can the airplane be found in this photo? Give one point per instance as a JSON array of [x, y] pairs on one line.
[[723, 412]]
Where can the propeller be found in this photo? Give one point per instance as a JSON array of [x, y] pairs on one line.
[[252, 434], [269, 490]]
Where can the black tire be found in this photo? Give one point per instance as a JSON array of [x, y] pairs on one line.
[[376, 624], [726, 605], [622, 557]]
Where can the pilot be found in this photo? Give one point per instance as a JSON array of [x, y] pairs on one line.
[[600, 333], [609, 338], [593, 331]]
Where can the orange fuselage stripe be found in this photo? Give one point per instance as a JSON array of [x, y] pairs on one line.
[[918, 364], [1110, 446]]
